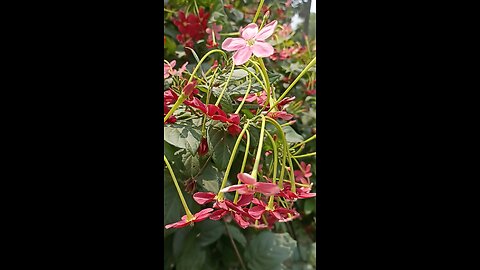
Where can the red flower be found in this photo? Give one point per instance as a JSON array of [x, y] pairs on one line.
[[281, 214], [280, 115], [196, 103], [233, 120], [251, 186], [191, 27], [301, 193], [203, 148], [200, 216], [238, 213]]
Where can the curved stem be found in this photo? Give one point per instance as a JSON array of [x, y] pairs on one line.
[[245, 96], [203, 59], [294, 82], [179, 101], [285, 149], [179, 191], [225, 87], [306, 155]]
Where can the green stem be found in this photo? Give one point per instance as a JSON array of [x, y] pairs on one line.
[[207, 101], [294, 82], [230, 162], [203, 59], [245, 156], [258, 11], [179, 191], [306, 141], [292, 175], [285, 149], [245, 96], [259, 151], [306, 155], [275, 160], [270, 99], [225, 87], [179, 101], [255, 76]]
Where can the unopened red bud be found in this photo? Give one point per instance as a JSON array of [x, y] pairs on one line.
[[189, 88], [203, 147]]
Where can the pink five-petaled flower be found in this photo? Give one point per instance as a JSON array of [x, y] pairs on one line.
[[303, 175], [202, 215], [251, 186], [251, 42]]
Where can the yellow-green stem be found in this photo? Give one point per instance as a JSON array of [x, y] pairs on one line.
[[203, 59], [246, 94], [294, 82], [179, 101], [230, 162], [258, 11], [285, 149], [306, 155], [225, 87], [179, 191], [245, 156], [259, 149]]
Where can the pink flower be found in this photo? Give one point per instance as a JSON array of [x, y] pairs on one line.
[[251, 42], [303, 175], [251, 186], [213, 32], [168, 69], [202, 215], [280, 213]]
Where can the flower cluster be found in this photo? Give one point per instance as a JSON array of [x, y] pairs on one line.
[[260, 205], [192, 27]]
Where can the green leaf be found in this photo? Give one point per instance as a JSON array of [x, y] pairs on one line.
[[183, 136], [191, 164], [238, 74], [223, 143], [237, 235], [269, 250], [210, 178], [172, 210], [226, 101], [291, 135], [309, 206], [191, 254], [209, 231]]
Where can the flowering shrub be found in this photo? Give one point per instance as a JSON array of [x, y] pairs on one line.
[[239, 123]]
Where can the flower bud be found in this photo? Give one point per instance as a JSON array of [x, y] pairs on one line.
[[203, 148]]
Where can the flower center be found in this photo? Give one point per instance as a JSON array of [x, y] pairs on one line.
[[250, 42]]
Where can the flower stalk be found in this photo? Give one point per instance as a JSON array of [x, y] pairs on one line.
[[179, 191]]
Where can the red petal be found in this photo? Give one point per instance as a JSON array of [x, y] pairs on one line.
[[240, 188], [204, 197], [246, 178], [268, 189], [240, 221], [205, 213], [256, 211], [245, 199], [218, 214], [179, 224]]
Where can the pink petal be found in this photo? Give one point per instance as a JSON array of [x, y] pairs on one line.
[[256, 211], [245, 199], [204, 197], [268, 189], [307, 195], [262, 49], [246, 178], [240, 221], [218, 214], [233, 44], [179, 224], [249, 31], [241, 56], [266, 31], [234, 187], [258, 202], [205, 213]]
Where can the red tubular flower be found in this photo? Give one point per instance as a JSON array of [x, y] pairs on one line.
[[196, 103], [203, 148], [191, 27], [200, 216], [251, 186], [189, 90], [284, 102], [169, 97]]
